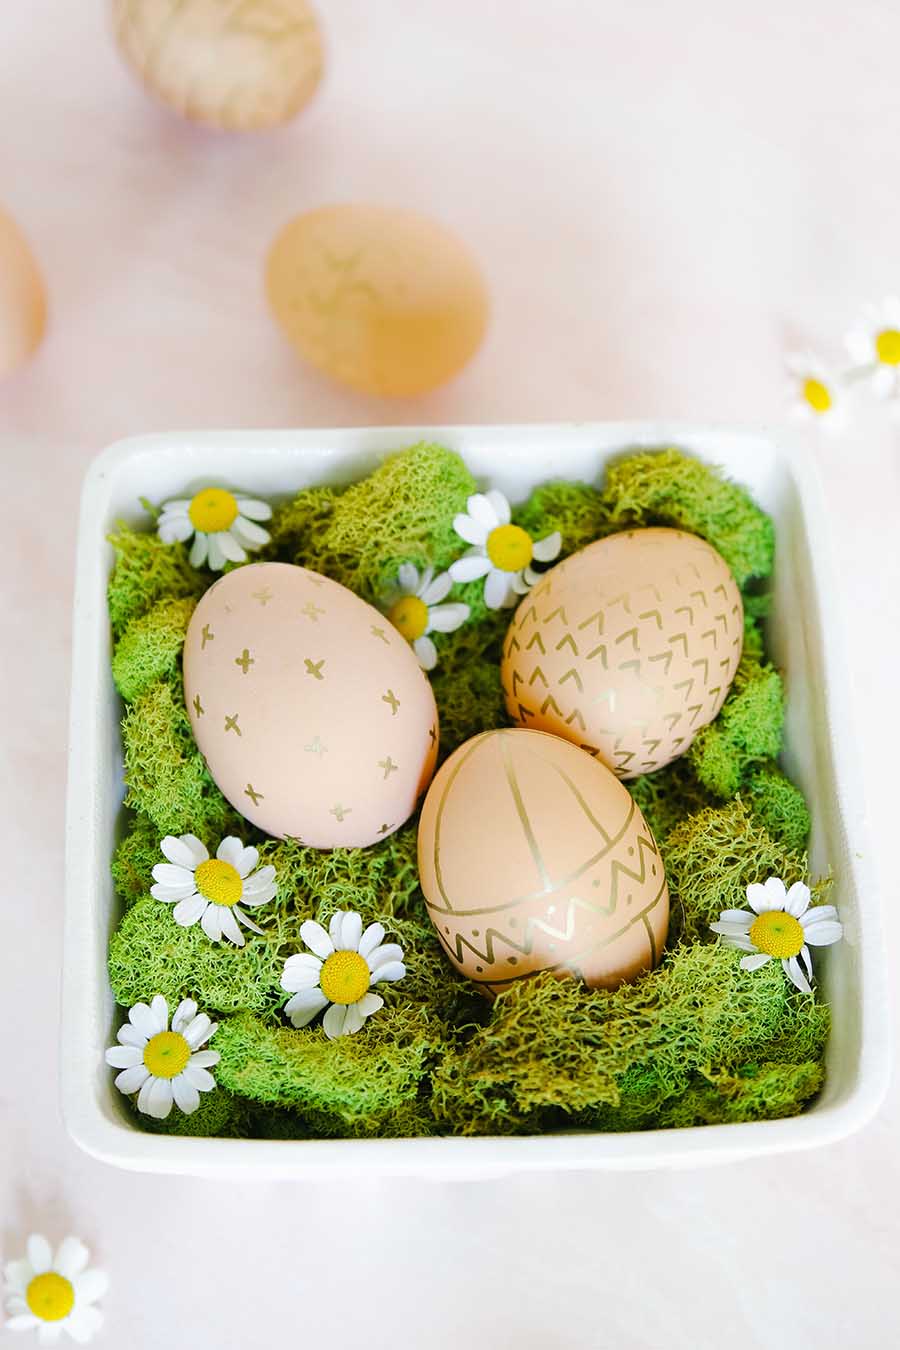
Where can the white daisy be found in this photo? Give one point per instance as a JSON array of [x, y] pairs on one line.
[[874, 346], [163, 1064], [780, 925], [338, 977], [209, 889], [815, 393], [51, 1293], [414, 608], [500, 552], [223, 525]]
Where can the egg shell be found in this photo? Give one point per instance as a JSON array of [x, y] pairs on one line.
[[532, 857], [239, 67], [386, 301], [311, 711], [627, 648], [23, 303]]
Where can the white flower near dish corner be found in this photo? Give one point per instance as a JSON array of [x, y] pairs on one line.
[[338, 972], [54, 1292], [212, 891], [163, 1063], [816, 394], [780, 925], [414, 606], [500, 552], [874, 347], [223, 524]]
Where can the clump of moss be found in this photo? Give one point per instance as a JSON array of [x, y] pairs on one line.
[[575, 509], [358, 1086], [669, 796], [781, 806], [297, 525], [137, 853], [746, 732], [150, 647], [147, 570], [668, 487], [219, 1113], [550, 1047]]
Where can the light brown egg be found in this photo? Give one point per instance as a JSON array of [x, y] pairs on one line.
[[23, 303], [532, 856], [240, 67], [310, 709], [386, 301], [627, 648]]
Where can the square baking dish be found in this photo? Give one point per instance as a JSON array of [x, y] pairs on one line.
[[805, 640]]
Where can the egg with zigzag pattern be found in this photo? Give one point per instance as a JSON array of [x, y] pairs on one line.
[[533, 857]]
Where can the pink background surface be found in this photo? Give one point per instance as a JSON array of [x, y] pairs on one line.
[[665, 198]]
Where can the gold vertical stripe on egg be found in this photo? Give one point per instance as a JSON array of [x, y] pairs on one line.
[[514, 788], [438, 873]]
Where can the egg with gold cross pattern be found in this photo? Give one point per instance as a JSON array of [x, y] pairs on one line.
[[534, 857], [627, 648], [309, 708]]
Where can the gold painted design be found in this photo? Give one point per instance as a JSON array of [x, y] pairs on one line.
[[391, 698], [432, 732], [314, 580], [316, 747], [255, 797], [312, 611], [198, 706], [379, 633], [245, 661], [389, 766], [231, 724], [385, 829], [314, 668], [263, 597], [339, 812], [207, 635]]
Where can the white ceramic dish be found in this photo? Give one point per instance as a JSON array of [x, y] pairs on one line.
[[806, 641]]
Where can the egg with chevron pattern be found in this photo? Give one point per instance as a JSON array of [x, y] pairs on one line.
[[627, 648], [533, 857]]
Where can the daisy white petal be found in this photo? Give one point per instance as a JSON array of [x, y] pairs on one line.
[[253, 508], [369, 1004], [211, 922], [186, 851], [170, 874], [731, 927], [260, 881], [884, 381], [189, 910], [776, 891], [170, 895], [187, 1098], [315, 937], [531, 576], [496, 589], [299, 978], [248, 533], [132, 1079], [174, 529], [371, 938], [393, 970], [89, 1284], [156, 1098], [17, 1274], [216, 557], [353, 1020], [83, 1323], [426, 652], [199, 1030], [436, 590], [21, 1322], [201, 1078], [823, 934], [304, 1006], [14, 1305], [248, 860], [144, 1020], [500, 506], [184, 1014], [470, 567], [447, 618], [408, 577], [797, 899], [472, 531], [124, 1056], [736, 916], [204, 1059], [519, 582], [129, 1035], [795, 975], [39, 1253], [335, 927], [199, 550], [819, 914], [351, 932], [334, 1020], [246, 920], [804, 956], [755, 961], [425, 581], [230, 928], [231, 548], [388, 951], [482, 510], [230, 850], [545, 550]]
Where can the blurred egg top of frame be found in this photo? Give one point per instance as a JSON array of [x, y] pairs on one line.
[[311, 711], [23, 303], [237, 67], [534, 857], [627, 648], [386, 301]]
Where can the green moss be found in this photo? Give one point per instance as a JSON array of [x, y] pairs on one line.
[[575, 509], [134, 859], [147, 570], [746, 732], [219, 1113], [668, 487], [363, 1085], [669, 796], [150, 648], [779, 805], [297, 525], [550, 1047]]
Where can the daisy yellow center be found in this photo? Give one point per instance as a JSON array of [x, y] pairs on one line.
[[887, 345], [50, 1296], [817, 395], [777, 934], [409, 616], [213, 510], [219, 882], [166, 1054], [344, 977], [509, 548]]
